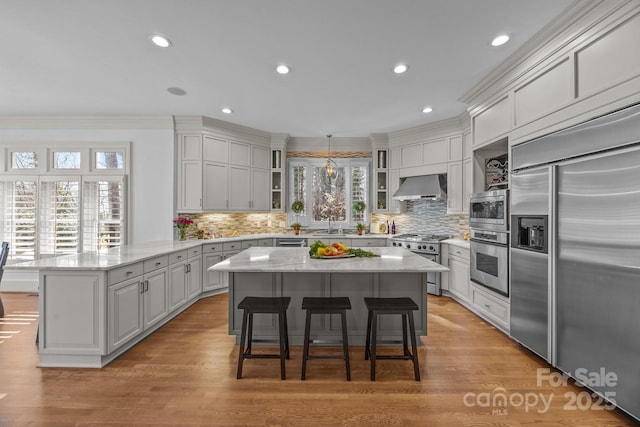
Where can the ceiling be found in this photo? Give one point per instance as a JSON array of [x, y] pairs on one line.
[[94, 57]]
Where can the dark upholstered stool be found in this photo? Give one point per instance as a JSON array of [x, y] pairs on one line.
[[273, 305], [403, 306], [335, 305]]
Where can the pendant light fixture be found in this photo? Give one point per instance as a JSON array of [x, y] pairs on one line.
[[330, 166]]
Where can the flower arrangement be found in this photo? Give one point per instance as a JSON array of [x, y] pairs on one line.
[[182, 223]]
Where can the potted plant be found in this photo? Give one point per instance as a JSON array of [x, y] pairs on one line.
[[296, 227], [361, 227]]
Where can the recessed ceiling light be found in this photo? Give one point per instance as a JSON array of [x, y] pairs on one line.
[[176, 91], [283, 69], [227, 110], [400, 68], [427, 110], [500, 40], [160, 41]]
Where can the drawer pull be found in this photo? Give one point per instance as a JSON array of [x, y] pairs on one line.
[[158, 263], [487, 305], [179, 256], [459, 253], [129, 273]]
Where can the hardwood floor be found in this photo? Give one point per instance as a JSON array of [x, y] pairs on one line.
[[184, 375]]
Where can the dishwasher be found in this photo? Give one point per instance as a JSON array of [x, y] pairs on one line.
[[291, 242]]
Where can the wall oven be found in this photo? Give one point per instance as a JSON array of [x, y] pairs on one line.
[[490, 260], [489, 210]]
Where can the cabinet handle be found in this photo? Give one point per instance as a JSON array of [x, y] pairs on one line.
[[188, 268], [200, 202], [487, 306], [179, 256], [158, 263], [146, 285], [141, 287], [459, 253], [129, 273], [195, 252]]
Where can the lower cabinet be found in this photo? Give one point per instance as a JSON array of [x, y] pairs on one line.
[[135, 305], [184, 278], [459, 283]]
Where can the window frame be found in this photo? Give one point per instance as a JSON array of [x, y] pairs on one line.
[[45, 171], [348, 164]]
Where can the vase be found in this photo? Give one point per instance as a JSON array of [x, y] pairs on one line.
[[183, 233]]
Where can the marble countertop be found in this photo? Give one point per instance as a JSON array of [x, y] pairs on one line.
[[457, 242], [286, 260], [114, 257]]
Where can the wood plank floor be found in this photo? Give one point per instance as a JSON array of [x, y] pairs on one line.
[[184, 375]]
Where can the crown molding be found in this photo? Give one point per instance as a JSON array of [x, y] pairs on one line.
[[86, 122], [204, 123], [428, 131], [566, 30]]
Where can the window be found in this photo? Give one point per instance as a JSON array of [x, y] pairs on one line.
[[329, 200], [24, 160], [66, 160], [69, 210], [109, 160]]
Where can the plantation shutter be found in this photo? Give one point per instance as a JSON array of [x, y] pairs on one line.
[[59, 216], [18, 197], [103, 216]]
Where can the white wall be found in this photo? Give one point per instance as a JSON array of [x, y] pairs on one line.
[[151, 182]]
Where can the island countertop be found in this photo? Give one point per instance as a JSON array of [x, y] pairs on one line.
[[297, 260]]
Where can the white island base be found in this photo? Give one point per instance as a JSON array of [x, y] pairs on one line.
[[291, 272]]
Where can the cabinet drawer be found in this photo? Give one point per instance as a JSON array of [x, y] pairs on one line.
[[197, 251], [177, 256], [246, 244], [458, 252], [371, 243], [209, 248], [231, 246], [267, 243], [124, 273], [494, 308], [155, 263]]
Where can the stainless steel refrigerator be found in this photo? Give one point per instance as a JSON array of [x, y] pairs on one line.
[[591, 325]]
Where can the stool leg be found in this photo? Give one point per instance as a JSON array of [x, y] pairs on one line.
[[242, 340], [345, 344], [281, 322], [305, 353], [250, 333], [405, 342], [414, 347], [286, 335], [368, 341], [374, 333]]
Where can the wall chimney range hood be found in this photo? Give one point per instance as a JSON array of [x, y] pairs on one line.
[[425, 187]]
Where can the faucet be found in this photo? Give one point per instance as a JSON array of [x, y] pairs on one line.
[[329, 231]]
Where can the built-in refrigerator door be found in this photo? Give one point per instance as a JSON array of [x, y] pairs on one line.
[[598, 274], [529, 272]]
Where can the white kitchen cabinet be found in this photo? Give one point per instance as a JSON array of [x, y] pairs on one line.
[[190, 197], [125, 302], [155, 296], [177, 285], [239, 153], [260, 194], [395, 206], [216, 186], [260, 157], [194, 277], [467, 183], [454, 188], [212, 279], [459, 282], [239, 188]]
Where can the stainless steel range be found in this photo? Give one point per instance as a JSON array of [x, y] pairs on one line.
[[426, 245]]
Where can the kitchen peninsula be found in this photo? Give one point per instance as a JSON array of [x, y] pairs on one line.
[[281, 271]]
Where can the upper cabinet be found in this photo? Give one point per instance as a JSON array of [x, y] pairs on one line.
[[221, 170]]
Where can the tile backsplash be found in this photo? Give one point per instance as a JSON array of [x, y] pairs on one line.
[[420, 216], [426, 217]]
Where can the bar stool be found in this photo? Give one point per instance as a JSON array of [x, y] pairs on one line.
[[403, 306], [273, 305], [331, 305]]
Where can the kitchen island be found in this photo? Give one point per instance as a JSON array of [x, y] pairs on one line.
[[282, 271]]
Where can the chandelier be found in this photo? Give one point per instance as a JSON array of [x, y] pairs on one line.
[[330, 166]]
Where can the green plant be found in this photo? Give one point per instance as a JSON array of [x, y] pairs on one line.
[[297, 206], [296, 226], [360, 226], [359, 206]]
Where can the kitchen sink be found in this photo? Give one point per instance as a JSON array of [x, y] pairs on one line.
[[329, 233]]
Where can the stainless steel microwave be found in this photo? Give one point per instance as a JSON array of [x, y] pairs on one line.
[[489, 210]]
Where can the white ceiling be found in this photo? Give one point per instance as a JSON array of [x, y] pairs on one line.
[[94, 57]]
